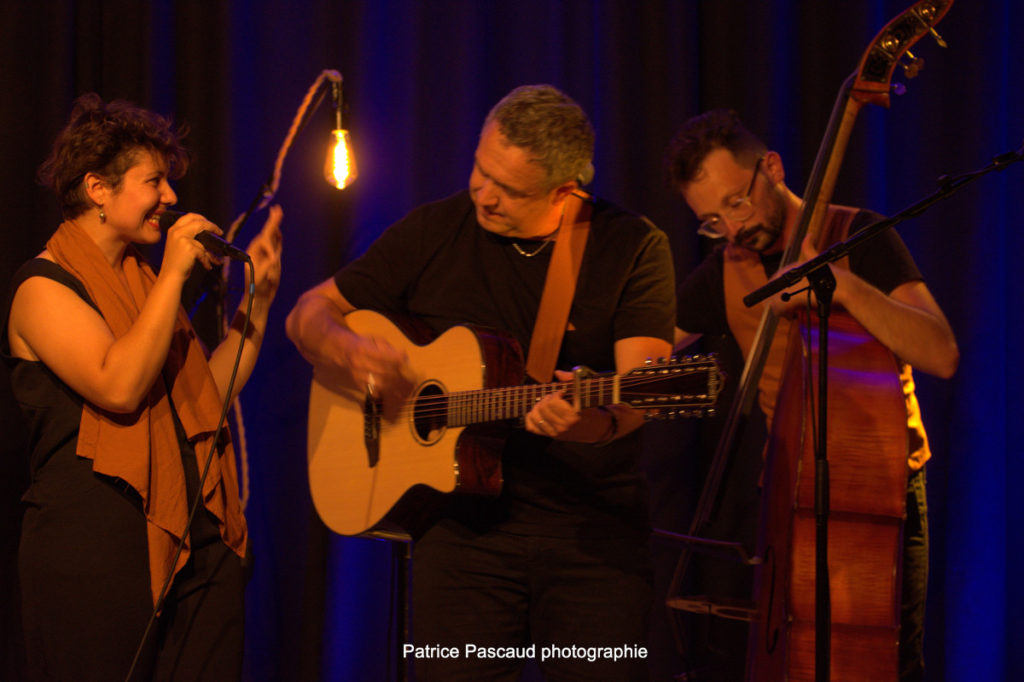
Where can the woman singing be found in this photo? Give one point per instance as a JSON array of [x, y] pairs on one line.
[[122, 404]]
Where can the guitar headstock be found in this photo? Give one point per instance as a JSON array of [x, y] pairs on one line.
[[679, 386], [874, 73]]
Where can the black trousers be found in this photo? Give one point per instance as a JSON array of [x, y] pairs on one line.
[[572, 599], [915, 581], [86, 596]]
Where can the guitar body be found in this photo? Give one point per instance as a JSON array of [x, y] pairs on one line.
[[356, 477]]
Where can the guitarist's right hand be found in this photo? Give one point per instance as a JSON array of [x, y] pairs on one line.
[[343, 358], [382, 369]]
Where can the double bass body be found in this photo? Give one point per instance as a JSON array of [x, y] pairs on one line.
[[867, 447], [867, 453]]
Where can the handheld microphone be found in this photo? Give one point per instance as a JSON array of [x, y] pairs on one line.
[[209, 240]]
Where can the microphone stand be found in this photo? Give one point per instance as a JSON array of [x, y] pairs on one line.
[[947, 186], [823, 283]]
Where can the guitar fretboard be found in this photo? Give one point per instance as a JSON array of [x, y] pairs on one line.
[[497, 404]]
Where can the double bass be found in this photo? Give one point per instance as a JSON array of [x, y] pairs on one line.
[[867, 447]]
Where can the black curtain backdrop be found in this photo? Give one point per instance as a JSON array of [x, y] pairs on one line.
[[419, 78]]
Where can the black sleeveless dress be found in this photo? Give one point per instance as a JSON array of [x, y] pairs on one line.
[[83, 557]]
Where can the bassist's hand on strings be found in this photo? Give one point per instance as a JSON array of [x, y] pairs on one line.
[[906, 320], [798, 301]]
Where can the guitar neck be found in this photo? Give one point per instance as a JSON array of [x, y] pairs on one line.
[[513, 402]]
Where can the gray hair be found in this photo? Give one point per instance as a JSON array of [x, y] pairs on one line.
[[552, 127]]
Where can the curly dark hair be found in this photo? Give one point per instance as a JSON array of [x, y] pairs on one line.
[[700, 135], [106, 138], [550, 125]]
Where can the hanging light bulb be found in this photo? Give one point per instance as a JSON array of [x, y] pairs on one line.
[[340, 166]]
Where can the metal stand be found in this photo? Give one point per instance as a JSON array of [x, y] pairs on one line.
[[823, 284], [401, 557]]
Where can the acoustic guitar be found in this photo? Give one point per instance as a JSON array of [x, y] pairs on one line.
[[448, 434]]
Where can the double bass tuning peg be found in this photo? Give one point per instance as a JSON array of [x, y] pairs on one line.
[[926, 15], [937, 37], [913, 67]]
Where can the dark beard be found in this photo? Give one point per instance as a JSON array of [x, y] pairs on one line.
[[760, 238], [757, 238]]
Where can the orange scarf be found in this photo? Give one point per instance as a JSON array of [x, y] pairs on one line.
[[142, 447]]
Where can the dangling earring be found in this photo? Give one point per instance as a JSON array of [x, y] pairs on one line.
[[103, 216]]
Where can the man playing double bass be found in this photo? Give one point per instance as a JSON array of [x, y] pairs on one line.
[[736, 187]]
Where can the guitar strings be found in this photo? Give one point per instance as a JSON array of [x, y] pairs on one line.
[[441, 404], [547, 389]]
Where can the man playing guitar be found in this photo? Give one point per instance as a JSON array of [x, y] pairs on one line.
[[560, 557]]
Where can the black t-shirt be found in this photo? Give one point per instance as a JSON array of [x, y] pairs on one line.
[[883, 261], [439, 266]]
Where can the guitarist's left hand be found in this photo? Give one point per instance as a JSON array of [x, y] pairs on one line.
[[553, 416]]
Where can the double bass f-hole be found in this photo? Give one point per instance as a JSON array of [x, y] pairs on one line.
[[771, 628]]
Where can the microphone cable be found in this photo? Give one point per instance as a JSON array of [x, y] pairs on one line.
[[202, 478]]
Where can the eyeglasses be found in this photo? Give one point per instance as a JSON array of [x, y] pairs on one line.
[[737, 210]]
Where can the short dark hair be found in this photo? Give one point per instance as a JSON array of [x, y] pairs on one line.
[[106, 139], [700, 135], [550, 125]]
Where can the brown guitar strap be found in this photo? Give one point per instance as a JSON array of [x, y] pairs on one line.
[[559, 287]]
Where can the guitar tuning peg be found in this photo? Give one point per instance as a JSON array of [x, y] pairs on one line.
[[937, 37]]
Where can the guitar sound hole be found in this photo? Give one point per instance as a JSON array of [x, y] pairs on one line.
[[429, 413]]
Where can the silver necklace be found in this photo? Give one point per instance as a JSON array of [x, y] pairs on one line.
[[530, 254], [547, 239]]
